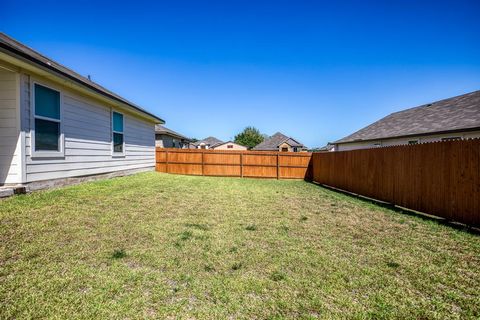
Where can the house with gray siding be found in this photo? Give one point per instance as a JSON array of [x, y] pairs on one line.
[[167, 138], [56, 124], [454, 118]]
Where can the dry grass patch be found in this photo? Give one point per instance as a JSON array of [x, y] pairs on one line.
[[163, 246]]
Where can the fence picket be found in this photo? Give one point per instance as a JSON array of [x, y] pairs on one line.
[[253, 164], [439, 178]]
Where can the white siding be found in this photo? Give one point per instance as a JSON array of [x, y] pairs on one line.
[[88, 147], [10, 146]]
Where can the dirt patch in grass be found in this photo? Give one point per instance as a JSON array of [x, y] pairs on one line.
[[164, 246]]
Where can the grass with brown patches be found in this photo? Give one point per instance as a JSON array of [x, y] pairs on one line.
[[164, 246]]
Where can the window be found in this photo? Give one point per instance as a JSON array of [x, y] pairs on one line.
[[47, 120], [413, 142], [451, 139], [230, 146], [117, 126], [295, 149], [284, 149]]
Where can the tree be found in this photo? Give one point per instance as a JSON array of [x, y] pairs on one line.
[[249, 137]]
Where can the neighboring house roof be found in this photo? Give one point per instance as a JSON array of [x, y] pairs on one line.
[[275, 141], [159, 129], [24, 53], [453, 114], [210, 141], [327, 147]]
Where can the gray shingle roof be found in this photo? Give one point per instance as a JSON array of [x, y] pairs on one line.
[[275, 141], [210, 141], [453, 114], [22, 52], [159, 129]]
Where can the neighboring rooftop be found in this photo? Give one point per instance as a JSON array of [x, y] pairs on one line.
[[453, 114], [210, 141], [272, 143], [327, 147], [159, 129], [20, 51]]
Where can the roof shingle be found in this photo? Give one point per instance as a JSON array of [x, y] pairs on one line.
[[275, 141], [159, 129], [210, 141], [453, 114]]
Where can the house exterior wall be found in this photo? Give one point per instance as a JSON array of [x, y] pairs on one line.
[[284, 145], [405, 140], [10, 142], [163, 141], [233, 145], [203, 146], [167, 141], [87, 129], [290, 148]]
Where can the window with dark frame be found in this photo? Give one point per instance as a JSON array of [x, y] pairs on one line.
[[230, 146], [47, 119], [118, 138]]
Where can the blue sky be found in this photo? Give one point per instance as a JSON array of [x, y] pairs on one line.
[[314, 70]]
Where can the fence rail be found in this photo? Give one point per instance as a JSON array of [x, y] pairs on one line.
[[440, 178], [248, 164]]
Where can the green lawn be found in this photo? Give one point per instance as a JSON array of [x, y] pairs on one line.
[[165, 246]]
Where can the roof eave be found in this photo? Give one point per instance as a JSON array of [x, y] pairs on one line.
[[17, 54], [409, 135], [173, 135]]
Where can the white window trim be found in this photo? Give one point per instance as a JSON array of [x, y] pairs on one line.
[[61, 144], [118, 154]]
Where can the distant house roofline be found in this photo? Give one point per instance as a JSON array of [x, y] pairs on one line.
[[273, 143], [294, 144], [160, 129], [210, 141], [411, 135], [456, 114]]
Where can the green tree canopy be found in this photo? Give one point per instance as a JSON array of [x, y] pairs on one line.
[[249, 137]]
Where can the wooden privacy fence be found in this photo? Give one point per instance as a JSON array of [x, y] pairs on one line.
[[440, 178], [251, 164]]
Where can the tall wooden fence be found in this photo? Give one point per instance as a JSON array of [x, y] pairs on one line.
[[251, 164], [440, 178]]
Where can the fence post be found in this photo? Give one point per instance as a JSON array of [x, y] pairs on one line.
[[166, 160], [278, 173], [241, 164]]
